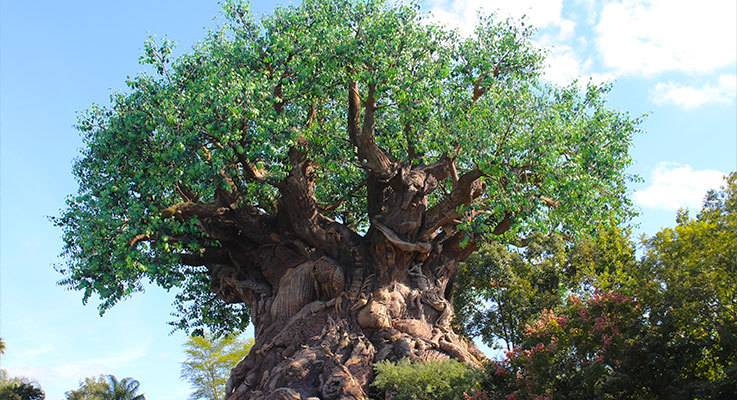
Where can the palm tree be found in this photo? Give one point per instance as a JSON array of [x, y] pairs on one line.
[[124, 389]]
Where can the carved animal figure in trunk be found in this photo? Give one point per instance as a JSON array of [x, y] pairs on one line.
[[321, 173]]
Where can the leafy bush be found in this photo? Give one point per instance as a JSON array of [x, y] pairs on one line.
[[432, 380]]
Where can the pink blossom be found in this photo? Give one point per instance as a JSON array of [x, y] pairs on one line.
[[602, 322], [607, 340], [584, 313]]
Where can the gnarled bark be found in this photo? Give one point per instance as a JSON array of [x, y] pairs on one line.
[[322, 322], [321, 332]]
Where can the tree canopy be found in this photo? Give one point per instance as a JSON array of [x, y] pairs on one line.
[[19, 388], [321, 124], [209, 361], [660, 327], [106, 387]]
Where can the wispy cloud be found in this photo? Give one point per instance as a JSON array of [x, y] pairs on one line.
[[646, 38], [58, 376], [674, 186], [724, 91], [35, 352]]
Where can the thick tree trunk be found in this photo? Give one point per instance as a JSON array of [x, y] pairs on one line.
[[328, 303], [320, 333]]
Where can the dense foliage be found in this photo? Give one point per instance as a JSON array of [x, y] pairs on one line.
[[434, 380], [18, 388], [91, 388], [106, 387], [663, 327], [500, 289], [192, 164], [209, 361]]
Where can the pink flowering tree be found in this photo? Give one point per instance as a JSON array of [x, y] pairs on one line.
[[574, 350]]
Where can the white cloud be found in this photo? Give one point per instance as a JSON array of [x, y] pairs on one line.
[[649, 37], [35, 352], [563, 65], [675, 186], [691, 97], [462, 14]]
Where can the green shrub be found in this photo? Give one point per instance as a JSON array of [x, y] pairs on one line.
[[432, 380]]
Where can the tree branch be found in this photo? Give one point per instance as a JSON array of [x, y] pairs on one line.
[[207, 257], [192, 209], [332, 207], [374, 159], [444, 213], [140, 238], [411, 150], [298, 208]]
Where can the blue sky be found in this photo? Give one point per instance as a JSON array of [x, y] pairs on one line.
[[672, 60]]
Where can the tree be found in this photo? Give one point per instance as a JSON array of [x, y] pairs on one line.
[[692, 296], [322, 172], [663, 327], [500, 289], [106, 387], [92, 388], [19, 388], [579, 351], [22, 391], [209, 361]]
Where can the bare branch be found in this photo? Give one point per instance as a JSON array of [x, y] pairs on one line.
[[186, 193], [550, 202]]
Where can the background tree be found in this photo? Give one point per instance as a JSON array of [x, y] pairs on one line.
[[19, 388], [501, 288], [91, 388], [209, 361], [323, 171], [106, 387], [692, 295], [672, 335]]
